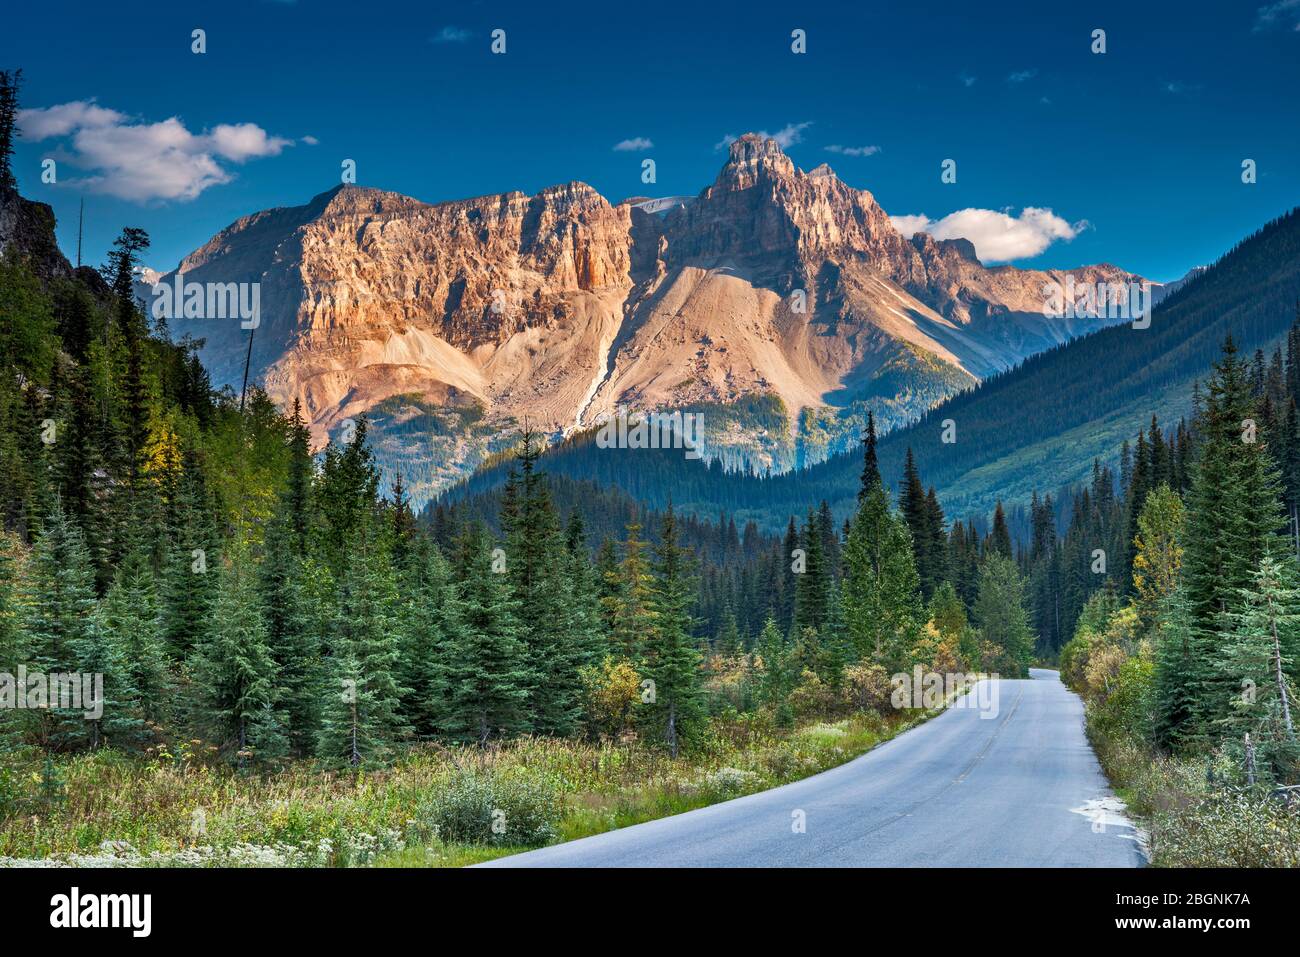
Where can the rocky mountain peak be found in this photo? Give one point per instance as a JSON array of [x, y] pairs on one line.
[[753, 157]]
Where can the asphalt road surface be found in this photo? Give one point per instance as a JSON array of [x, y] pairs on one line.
[[1022, 789]]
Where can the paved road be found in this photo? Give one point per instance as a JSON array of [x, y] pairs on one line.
[[1022, 789]]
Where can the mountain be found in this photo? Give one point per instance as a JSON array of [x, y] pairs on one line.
[[779, 303], [1038, 427]]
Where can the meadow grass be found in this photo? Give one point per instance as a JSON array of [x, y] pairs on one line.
[[109, 809]]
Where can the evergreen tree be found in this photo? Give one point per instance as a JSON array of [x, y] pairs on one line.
[[60, 621], [297, 496], [672, 662], [485, 671], [128, 616], [9, 85], [999, 540], [1233, 517], [235, 673], [812, 587], [362, 721], [429, 631], [293, 643], [1001, 616], [536, 566], [881, 591], [1258, 661], [870, 462], [630, 609]]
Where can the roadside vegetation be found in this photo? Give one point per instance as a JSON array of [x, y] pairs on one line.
[[1189, 673], [435, 807]]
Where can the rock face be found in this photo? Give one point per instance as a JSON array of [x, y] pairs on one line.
[[449, 325], [27, 228]]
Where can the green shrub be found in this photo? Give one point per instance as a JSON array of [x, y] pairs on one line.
[[494, 809], [1126, 711]]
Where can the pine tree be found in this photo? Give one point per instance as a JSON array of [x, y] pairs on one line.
[[672, 662], [235, 673], [1233, 519], [630, 609], [429, 631], [812, 587], [1258, 662], [1001, 616], [870, 462], [12, 641], [293, 643], [485, 671], [778, 679], [60, 620], [189, 575], [297, 497], [881, 590], [362, 721], [9, 86], [128, 615], [999, 540], [536, 554]]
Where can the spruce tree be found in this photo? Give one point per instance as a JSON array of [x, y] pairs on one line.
[[429, 632], [62, 632], [881, 589], [536, 565], [485, 671], [362, 721], [812, 587], [1257, 665], [128, 616], [1001, 616], [293, 642], [9, 86], [870, 463], [235, 675], [1233, 520], [672, 661]]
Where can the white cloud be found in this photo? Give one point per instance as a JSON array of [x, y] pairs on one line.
[[63, 119], [240, 142], [635, 144], [145, 161], [310, 140], [997, 236], [853, 150], [1278, 14], [966, 79], [909, 226], [788, 135], [785, 137], [451, 35], [1020, 76]]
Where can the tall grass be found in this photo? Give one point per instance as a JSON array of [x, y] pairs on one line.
[[427, 809]]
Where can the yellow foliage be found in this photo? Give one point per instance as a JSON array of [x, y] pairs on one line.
[[613, 690]]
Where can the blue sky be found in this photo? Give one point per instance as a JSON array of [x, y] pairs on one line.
[[1137, 152]]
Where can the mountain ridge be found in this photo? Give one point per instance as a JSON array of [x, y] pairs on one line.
[[452, 323]]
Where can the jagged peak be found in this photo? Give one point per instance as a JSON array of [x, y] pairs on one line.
[[752, 154]]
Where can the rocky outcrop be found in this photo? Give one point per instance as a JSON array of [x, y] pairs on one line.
[[450, 324]]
